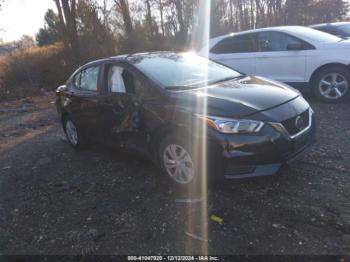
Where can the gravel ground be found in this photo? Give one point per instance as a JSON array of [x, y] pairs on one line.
[[54, 200]]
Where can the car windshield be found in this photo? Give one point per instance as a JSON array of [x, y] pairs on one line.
[[346, 29], [314, 35], [183, 70]]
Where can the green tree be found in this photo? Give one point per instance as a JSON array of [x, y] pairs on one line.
[[51, 31], [96, 39]]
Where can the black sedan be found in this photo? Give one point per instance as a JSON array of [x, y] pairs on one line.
[[193, 117]]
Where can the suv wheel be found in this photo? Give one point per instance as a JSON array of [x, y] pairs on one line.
[[74, 136], [332, 84]]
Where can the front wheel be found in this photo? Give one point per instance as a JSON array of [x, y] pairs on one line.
[[332, 84], [73, 134], [178, 162]]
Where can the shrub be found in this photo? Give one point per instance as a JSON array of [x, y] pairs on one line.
[[26, 72]]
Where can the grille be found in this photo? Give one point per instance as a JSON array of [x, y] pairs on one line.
[[290, 124]]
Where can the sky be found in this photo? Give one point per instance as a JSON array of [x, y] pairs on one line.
[[19, 17]]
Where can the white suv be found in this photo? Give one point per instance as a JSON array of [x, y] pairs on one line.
[[300, 56]]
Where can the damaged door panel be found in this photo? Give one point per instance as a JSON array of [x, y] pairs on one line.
[[121, 109]]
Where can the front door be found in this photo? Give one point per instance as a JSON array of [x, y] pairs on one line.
[[121, 110], [85, 96]]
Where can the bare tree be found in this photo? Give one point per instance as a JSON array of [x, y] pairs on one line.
[[179, 11], [136, 26], [161, 13], [123, 8], [67, 14], [149, 17]]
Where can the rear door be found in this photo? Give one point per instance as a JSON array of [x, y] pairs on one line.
[[237, 52], [275, 61]]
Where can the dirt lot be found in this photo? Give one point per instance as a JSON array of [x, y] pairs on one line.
[[54, 200]]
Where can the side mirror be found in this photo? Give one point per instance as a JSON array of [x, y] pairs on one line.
[[295, 46]]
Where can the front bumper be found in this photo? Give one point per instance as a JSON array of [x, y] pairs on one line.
[[260, 155]]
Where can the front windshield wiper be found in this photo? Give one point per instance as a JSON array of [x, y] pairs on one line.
[[175, 88], [226, 79], [201, 85]]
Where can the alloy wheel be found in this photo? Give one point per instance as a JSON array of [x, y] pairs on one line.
[[72, 133], [178, 164], [333, 86]]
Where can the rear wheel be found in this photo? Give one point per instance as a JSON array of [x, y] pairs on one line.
[[332, 84], [73, 134]]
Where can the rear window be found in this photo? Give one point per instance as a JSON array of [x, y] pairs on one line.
[[313, 35], [345, 29], [235, 44]]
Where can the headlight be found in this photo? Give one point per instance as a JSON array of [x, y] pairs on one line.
[[233, 126]]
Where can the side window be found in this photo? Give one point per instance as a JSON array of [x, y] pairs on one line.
[[288, 39], [235, 44], [270, 42], [89, 78], [275, 41], [77, 80], [120, 80]]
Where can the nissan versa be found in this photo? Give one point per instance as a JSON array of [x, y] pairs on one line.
[[190, 115]]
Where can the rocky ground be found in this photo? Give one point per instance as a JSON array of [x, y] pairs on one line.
[[54, 200]]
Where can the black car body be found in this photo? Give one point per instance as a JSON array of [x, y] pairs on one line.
[[341, 29], [271, 122]]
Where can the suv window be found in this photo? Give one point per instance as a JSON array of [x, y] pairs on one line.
[[275, 41], [87, 79], [235, 44], [120, 80]]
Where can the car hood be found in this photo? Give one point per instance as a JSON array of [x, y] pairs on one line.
[[236, 98]]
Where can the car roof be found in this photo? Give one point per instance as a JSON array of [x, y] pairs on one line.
[[274, 28], [330, 24], [127, 57], [123, 57]]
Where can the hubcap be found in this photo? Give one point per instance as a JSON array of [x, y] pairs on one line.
[[71, 132], [178, 163], [333, 86]]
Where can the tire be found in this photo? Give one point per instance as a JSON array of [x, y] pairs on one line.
[[179, 163], [332, 84], [74, 136]]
